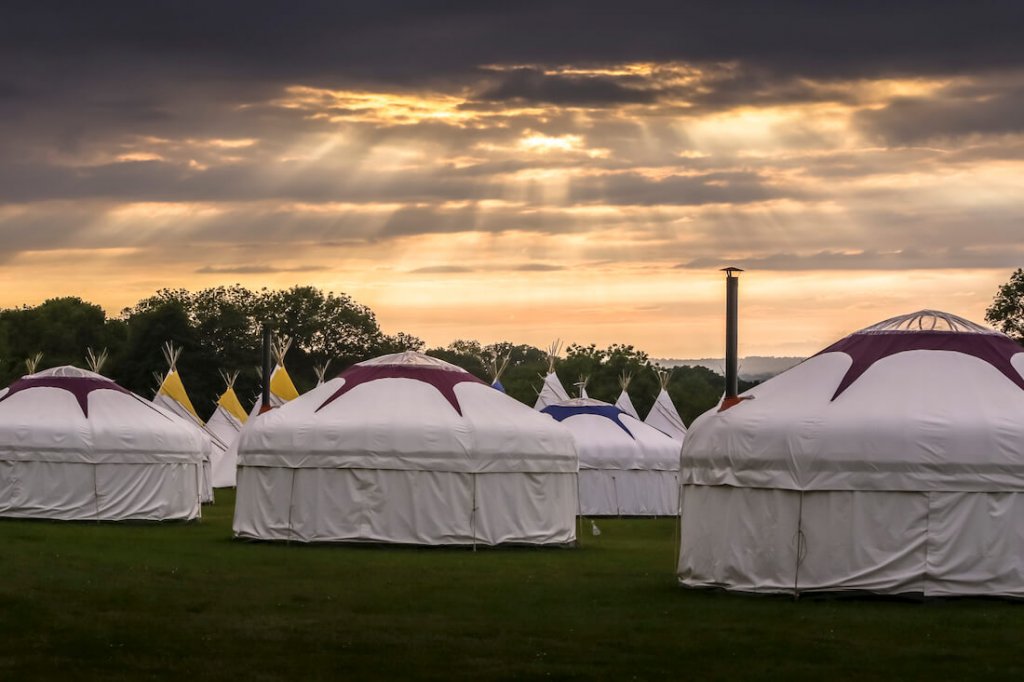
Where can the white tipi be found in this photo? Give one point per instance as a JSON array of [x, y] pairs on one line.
[[663, 415], [282, 390], [624, 403], [173, 397], [552, 391], [225, 424]]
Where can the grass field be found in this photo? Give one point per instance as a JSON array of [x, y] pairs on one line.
[[185, 602]]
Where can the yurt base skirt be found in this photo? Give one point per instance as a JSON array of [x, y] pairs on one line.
[[73, 491], [628, 492], [406, 507], [929, 543]]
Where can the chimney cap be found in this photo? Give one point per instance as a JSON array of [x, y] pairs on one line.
[[731, 270]]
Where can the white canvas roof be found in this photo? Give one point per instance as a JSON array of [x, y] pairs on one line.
[[409, 449], [608, 438], [407, 411], [889, 462], [922, 402], [67, 414], [125, 457]]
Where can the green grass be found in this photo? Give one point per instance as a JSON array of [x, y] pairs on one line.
[[185, 602]]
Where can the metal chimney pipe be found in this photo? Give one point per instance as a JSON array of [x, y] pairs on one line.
[[268, 369], [732, 296]]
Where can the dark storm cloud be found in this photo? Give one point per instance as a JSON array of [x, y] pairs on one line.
[[404, 41], [118, 102], [533, 85], [953, 113]]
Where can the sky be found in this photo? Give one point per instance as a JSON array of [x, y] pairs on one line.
[[573, 170]]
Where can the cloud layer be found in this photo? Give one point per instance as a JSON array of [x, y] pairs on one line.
[[192, 143]]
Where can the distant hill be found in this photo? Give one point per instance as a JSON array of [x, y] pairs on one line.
[[752, 368]]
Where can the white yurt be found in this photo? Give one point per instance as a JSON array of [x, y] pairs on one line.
[[225, 424], [406, 448], [74, 445], [891, 462], [663, 415], [626, 467]]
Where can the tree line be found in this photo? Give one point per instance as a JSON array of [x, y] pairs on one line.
[[219, 328]]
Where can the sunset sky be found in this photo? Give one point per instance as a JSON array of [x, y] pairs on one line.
[[573, 169]]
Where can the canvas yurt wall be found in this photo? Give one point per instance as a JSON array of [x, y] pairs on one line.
[[76, 446], [892, 462], [627, 468], [406, 448]]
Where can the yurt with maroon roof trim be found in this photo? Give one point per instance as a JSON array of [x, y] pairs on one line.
[[406, 448], [890, 462], [74, 445]]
